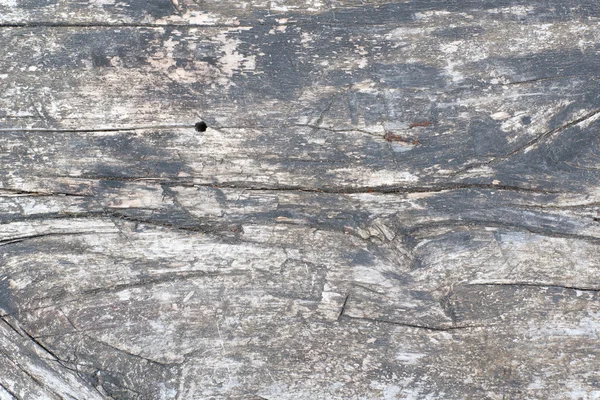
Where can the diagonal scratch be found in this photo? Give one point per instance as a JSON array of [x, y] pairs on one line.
[[177, 7], [343, 307], [531, 144], [7, 390]]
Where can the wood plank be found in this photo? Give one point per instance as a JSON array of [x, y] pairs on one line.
[[228, 12], [392, 200], [492, 112], [138, 293], [174, 12]]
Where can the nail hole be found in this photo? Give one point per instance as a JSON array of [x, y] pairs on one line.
[[200, 126]]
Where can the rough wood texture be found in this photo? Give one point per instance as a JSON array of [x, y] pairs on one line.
[[393, 199]]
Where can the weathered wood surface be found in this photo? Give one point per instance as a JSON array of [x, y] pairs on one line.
[[291, 251]]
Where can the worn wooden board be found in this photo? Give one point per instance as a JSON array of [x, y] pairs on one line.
[[392, 200]]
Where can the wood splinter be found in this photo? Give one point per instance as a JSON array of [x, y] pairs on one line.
[[390, 137], [416, 124]]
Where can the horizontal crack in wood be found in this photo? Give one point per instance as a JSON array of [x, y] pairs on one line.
[[169, 278], [98, 130], [499, 224], [19, 239], [189, 182], [408, 325], [17, 192], [43, 24], [536, 285], [542, 79], [123, 351]]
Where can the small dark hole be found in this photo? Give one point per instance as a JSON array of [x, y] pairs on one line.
[[201, 126], [526, 120]]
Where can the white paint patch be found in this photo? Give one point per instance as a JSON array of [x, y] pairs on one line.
[[515, 10], [499, 116], [19, 284], [577, 391], [125, 295], [451, 71], [306, 38], [391, 392], [404, 33], [371, 277], [30, 207], [166, 393], [366, 86], [431, 14], [199, 18], [394, 126], [409, 358], [362, 63], [232, 60], [368, 177], [100, 3], [286, 5], [277, 6], [586, 327], [399, 147], [587, 122]]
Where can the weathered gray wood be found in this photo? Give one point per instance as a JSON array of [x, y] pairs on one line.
[[392, 200], [229, 12], [174, 12]]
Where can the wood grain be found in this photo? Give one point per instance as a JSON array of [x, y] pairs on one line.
[[392, 199]]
